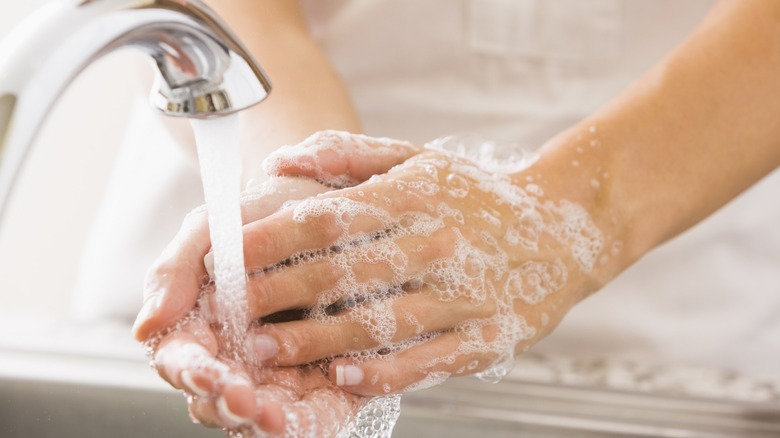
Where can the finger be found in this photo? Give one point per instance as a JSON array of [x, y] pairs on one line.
[[203, 410], [262, 198], [314, 283], [275, 239], [259, 411], [191, 348], [341, 217], [373, 324], [236, 405], [296, 287], [339, 159], [321, 282], [173, 283], [427, 364], [233, 407], [320, 412], [319, 227], [221, 396]]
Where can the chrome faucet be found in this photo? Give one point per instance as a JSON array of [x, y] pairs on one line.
[[202, 69]]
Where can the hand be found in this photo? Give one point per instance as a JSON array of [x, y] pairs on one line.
[[242, 397], [186, 350], [437, 268]]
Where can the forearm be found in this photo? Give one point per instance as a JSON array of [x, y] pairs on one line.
[[684, 140], [307, 94]]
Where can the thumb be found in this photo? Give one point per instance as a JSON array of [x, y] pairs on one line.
[[339, 159]]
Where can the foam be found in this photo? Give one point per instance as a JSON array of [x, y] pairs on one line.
[[498, 246], [492, 156], [340, 146], [534, 281], [477, 269]]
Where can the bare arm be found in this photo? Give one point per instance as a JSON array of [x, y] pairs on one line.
[[689, 136], [686, 138], [307, 94]]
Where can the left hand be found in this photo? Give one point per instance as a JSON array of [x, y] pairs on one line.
[[437, 268]]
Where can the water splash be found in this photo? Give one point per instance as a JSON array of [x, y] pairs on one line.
[[375, 420]]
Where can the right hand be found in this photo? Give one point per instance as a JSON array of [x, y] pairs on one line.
[[185, 343]]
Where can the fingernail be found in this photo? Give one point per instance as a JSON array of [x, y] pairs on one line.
[[149, 308], [208, 260], [191, 385], [348, 375], [262, 347], [227, 414]]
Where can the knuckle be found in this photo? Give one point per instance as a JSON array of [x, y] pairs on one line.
[[296, 347], [329, 227], [262, 239], [200, 410], [260, 295]]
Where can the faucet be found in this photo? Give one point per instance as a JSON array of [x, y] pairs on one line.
[[202, 71]]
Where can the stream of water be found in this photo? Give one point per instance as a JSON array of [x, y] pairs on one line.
[[220, 165], [219, 155]]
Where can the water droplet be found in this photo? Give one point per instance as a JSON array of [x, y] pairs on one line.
[[458, 186]]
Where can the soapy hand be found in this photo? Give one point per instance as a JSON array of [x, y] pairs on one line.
[[179, 328], [437, 268], [241, 396], [177, 324]]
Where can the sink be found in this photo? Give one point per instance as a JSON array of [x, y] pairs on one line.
[[65, 379]]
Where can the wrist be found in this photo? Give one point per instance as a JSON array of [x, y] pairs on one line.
[[576, 167]]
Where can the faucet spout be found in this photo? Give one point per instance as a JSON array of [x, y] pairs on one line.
[[203, 70]]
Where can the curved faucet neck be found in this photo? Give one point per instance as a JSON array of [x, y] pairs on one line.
[[202, 69]]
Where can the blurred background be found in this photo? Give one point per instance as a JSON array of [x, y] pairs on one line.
[[54, 204]]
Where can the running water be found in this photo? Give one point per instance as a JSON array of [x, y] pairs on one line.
[[478, 268], [220, 167]]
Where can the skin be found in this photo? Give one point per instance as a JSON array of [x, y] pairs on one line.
[[681, 142], [307, 95]]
